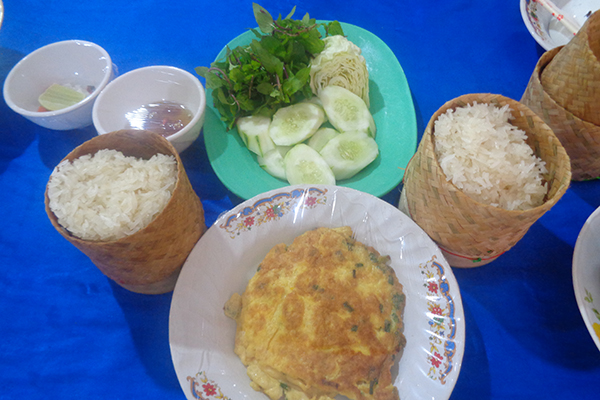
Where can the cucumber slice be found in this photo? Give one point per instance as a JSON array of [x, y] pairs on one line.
[[57, 97], [317, 101], [321, 137], [272, 162], [314, 100], [303, 164], [254, 131], [294, 124], [347, 111], [349, 152]]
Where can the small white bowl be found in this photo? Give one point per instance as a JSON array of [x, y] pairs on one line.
[[546, 29], [143, 86], [70, 62]]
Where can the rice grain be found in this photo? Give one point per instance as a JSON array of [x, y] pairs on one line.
[[486, 157], [107, 196]]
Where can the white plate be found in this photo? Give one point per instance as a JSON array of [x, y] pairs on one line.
[[226, 257], [546, 29], [586, 274]]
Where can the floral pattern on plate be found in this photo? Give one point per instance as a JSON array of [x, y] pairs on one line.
[[533, 18], [204, 389], [442, 322], [272, 208], [589, 299]]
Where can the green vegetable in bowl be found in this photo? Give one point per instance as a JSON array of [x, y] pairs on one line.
[[57, 97], [273, 71]]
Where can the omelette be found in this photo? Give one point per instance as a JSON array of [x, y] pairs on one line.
[[321, 317]]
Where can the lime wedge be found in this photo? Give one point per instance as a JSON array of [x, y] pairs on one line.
[[57, 97]]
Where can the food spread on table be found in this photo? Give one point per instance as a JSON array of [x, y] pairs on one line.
[[323, 314]]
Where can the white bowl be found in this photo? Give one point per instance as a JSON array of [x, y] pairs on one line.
[[586, 274], [546, 29], [143, 86], [70, 62]]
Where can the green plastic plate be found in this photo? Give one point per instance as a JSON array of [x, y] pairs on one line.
[[392, 108]]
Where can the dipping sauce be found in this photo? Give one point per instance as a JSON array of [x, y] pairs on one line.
[[164, 117]]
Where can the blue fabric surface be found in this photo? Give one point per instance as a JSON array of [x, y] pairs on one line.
[[67, 332]]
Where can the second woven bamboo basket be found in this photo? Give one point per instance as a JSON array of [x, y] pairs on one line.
[[581, 139], [469, 233]]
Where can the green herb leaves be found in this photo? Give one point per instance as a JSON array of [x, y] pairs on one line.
[[271, 72], [264, 19]]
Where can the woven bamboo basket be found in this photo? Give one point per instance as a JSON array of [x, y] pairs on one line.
[[580, 139], [148, 261], [572, 77], [469, 233]]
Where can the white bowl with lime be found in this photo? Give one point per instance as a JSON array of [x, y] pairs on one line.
[[56, 85]]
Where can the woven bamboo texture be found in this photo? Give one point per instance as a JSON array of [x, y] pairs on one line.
[[475, 233], [572, 78], [148, 261], [580, 139]]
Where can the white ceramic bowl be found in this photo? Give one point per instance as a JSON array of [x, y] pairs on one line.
[[143, 86], [546, 29], [72, 62], [586, 274]]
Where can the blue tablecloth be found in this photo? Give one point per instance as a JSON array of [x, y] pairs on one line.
[[67, 332]]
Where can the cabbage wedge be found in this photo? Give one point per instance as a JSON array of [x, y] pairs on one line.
[[340, 64]]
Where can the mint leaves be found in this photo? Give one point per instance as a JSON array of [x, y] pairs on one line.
[[273, 71]]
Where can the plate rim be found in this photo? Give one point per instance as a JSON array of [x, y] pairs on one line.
[[545, 44], [577, 268]]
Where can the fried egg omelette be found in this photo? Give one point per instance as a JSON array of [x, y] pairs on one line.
[[321, 317]]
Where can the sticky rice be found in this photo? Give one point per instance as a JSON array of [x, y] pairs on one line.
[[487, 158], [107, 196]]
